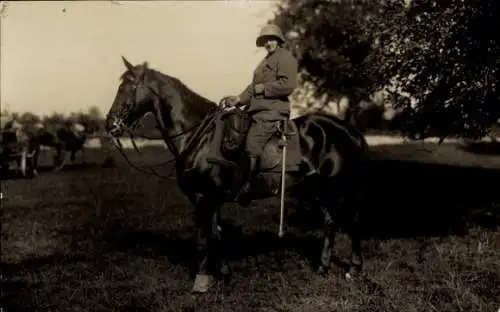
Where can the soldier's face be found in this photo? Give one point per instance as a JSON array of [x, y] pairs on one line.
[[271, 44]]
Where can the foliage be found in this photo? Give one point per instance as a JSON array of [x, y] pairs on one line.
[[449, 61], [93, 120], [334, 44], [440, 58]]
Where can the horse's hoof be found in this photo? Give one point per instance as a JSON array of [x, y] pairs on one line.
[[322, 270], [225, 271], [352, 273], [202, 283]]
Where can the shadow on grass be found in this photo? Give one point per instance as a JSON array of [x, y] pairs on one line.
[[180, 248], [11, 173], [71, 167], [17, 295], [37, 263], [406, 200], [482, 148], [18, 292], [410, 199]]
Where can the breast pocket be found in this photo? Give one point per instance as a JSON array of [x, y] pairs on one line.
[[269, 72], [265, 72]]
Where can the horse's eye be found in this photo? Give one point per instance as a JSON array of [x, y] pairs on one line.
[[132, 88]]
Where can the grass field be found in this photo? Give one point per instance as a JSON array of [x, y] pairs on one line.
[[114, 239]]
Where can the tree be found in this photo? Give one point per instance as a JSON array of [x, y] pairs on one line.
[[97, 118], [448, 61], [54, 121], [439, 58], [91, 123], [335, 44], [29, 119], [95, 113]]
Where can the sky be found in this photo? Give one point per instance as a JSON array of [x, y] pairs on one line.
[[65, 56]]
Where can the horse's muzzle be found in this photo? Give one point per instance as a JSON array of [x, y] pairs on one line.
[[115, 132], [115, 128]]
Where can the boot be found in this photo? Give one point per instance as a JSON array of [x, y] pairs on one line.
[[243, 197]]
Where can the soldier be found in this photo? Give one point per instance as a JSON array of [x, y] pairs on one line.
[[274, 80], [13, 126]]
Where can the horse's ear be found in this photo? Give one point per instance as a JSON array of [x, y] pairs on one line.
[[127, 64], [142, 72], [145, 64]]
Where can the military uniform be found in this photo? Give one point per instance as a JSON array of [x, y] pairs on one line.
[[276, 76]]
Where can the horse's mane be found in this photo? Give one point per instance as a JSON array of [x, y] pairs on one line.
[[184, 90], [196, 104]]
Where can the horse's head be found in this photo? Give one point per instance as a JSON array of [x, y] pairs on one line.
[[133, 99]]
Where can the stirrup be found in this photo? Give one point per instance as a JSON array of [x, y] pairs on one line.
[[245, 189], [243, 197]]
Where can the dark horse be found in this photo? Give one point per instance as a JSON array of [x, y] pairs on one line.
[[64, 141], [334, 186]]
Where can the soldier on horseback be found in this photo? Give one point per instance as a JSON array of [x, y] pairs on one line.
[[274, 79]]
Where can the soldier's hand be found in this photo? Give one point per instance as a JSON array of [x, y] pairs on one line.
[[258, 88], [230, 100]]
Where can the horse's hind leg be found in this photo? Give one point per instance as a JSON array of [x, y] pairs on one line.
[[356, 262]]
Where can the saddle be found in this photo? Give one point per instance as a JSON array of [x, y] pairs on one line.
[[236, 124]]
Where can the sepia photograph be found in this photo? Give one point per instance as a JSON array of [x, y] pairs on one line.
[[250, 155]]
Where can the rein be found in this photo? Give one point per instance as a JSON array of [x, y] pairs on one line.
[[167, 138], [198, 127]]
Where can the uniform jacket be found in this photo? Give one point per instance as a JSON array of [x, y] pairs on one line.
[[278, 73]]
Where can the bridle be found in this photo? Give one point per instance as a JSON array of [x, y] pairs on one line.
[[119, 125]]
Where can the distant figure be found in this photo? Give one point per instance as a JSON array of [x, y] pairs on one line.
[[13, 125], [12, 132], [68, 139], [18, 144]]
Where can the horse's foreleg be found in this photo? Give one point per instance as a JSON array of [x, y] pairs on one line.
[[73, 157], [204, 216], [83, 155], [62, 157], [329, 234], [34, 160], [219, 255], [30, 167]]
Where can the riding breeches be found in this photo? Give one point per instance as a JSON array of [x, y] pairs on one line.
[[264, 125]]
